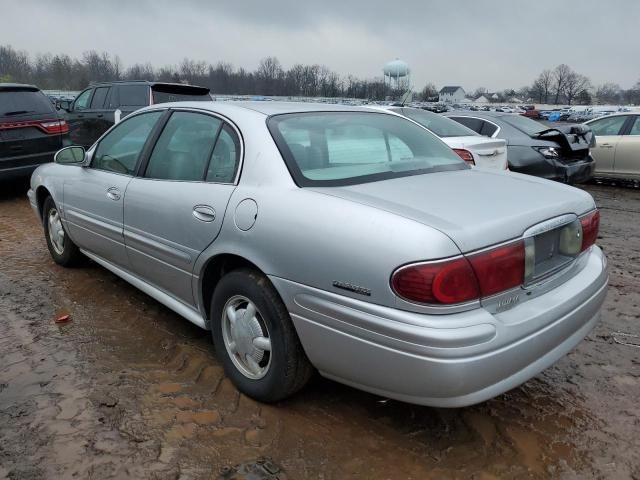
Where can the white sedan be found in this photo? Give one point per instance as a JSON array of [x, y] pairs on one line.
[[473, 148]]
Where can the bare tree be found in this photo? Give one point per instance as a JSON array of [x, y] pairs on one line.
[[574, 85], [428, 92], [560, 75], [610, 93]]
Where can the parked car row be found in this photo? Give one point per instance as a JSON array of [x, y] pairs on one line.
[[347, 240]]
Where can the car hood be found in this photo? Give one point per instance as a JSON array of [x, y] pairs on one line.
[[475, 208]]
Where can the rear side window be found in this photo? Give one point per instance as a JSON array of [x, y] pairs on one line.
[[184, 148], [608, 126], [99, 97], [226, 157], [488, 129], [134, 95], [474, 124], [635, 128], [119, 150], [23, 102]]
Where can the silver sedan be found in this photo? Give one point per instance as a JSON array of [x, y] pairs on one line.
[[332, 238]]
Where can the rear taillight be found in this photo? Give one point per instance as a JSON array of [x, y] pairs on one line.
[[465, 155], [590, 227], [47, 126], [57, 126], [462, 279]]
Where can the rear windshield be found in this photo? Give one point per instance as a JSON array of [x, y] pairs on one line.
[[348, 148], [525, 124], [23, 102], [441, 126], [165, 97]]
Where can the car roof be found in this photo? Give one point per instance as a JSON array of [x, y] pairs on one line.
[[18, 86], [266, 108]]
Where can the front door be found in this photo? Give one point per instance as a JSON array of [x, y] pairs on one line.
[[94, 195], [175, 210], [627, 164], [608, 133]]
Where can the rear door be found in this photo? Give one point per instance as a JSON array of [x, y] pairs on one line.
[[627, 160], [101, 118], [80, 128], [608, 132], [94, 196], [174, 210]]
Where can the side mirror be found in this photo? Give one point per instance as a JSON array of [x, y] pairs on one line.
[[64, 105], [73, 155]]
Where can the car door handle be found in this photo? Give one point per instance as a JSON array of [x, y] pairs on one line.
[[204, 213], [100, 115], [113, 193], [606, 145]]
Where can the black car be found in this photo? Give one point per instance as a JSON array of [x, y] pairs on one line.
[[31, 131], [534, 148], [98, 107]]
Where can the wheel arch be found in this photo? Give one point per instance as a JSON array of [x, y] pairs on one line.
[[213, 271], [42, 192]]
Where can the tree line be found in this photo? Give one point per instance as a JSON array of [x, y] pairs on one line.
[[62, 72]]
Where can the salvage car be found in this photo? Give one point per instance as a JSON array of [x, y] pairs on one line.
[[100, 106], [337, 238], [534, 148], [617, 150], [31, 132], [472, 147]]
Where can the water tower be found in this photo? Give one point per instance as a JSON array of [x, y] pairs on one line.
[[397, 75]]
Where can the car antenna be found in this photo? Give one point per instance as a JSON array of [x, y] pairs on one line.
[[406, 97]]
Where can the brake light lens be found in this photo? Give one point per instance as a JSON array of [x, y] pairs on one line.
[[499, 269], [465, 155], [590, 227], [462, 279], [47, 126]]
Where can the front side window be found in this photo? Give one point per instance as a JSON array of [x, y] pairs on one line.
[[97, 102], [608, 126], [347, 148], [82, 102], [184, 147], [119, 150]]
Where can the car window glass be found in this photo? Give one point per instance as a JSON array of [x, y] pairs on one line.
[[119, 150], [82, 102], [184, 147], [98, 97], [441, 126], [24, 100], [608, 126], [134, 95], [488, 129], [474, 124], [635, 128], [226, 156], [346, 148]]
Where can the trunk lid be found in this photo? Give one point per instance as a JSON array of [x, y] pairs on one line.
[[487, 152], [574, 141], [475, 208]]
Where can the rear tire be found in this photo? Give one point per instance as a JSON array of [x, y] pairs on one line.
[[63, 251], [255, 339]]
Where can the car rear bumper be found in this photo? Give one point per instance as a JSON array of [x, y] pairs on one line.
[[24, 165], [449, 360], [563, 171]]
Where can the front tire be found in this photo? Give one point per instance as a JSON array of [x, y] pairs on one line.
[[63, 251], [255, 339]]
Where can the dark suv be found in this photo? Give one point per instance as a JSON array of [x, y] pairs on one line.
[[98, 107], [31, 130]]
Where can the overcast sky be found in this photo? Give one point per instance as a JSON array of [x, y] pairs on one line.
[[494, 44]]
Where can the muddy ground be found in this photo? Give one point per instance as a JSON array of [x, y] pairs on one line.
[[127, 389]]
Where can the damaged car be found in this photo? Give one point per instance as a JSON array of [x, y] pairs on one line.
[[332, 238], [535, 149]]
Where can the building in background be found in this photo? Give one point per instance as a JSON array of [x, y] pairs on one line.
[[452, 94]]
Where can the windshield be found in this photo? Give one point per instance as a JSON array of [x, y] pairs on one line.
[[528, 126], [347, 148], [18, 102], [441, 126]]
